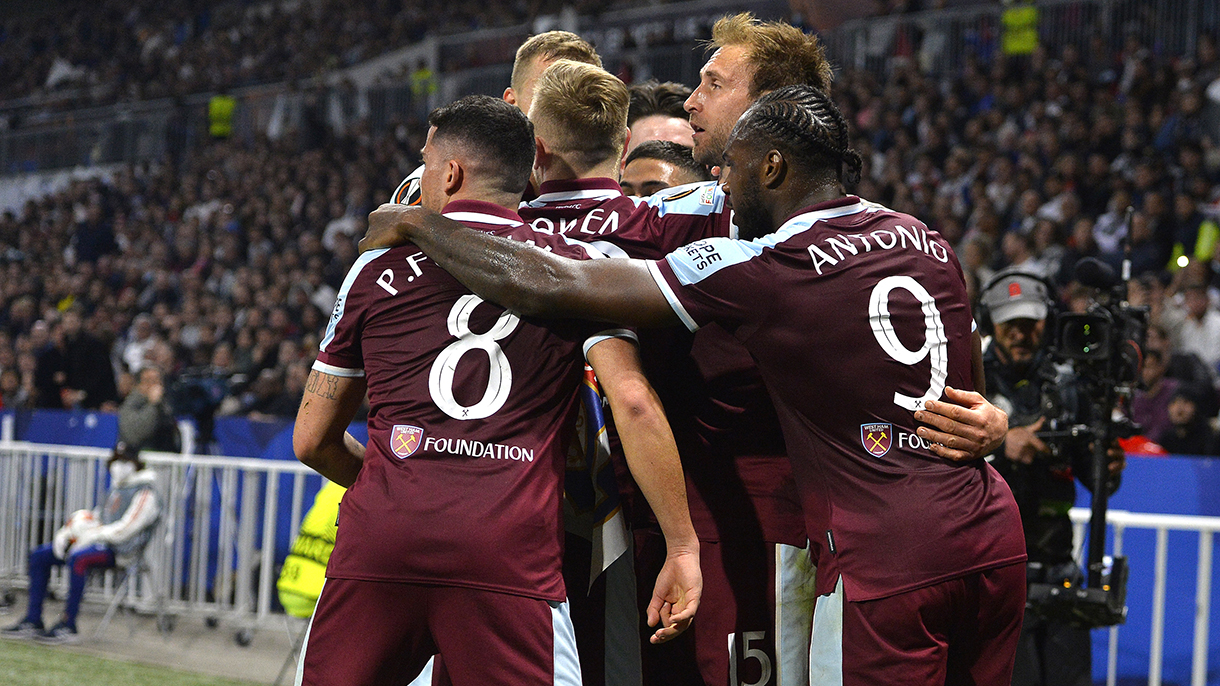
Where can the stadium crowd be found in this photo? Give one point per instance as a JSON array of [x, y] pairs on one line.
[[235, 257], [221, 272], [99, 53]]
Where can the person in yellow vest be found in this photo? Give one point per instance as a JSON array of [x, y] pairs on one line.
[[423, 89], [304, 569], [1020, 32], [220, 115], [1196, 236]]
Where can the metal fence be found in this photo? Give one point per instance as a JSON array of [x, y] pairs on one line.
[[1120, 522], [214, 553], [215, 556]]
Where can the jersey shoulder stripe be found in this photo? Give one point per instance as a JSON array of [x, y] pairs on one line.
[[701, 199], [802, 222], [671, 297], [341, 299], [699, 260], [320, 366], [481, 218]]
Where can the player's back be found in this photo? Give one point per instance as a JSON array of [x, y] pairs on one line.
[[470, 413], [721, 415], [858, 315]]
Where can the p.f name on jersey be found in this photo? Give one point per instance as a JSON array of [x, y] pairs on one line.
[[386, 278]]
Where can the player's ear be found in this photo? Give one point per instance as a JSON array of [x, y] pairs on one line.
[[453, 177], [542, 157], [622, 159], [773, 169], [510, 96]]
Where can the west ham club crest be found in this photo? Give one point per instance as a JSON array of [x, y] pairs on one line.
[[405, 440], [876, 438]]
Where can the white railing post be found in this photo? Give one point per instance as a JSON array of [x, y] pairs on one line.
[[1156, 650], [1112, 655], [1203, 597]]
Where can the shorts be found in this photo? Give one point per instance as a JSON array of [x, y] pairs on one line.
[[377, 633], [961, 631], [753, 626]]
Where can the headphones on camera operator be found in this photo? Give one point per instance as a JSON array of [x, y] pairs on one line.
[[1015, 294]]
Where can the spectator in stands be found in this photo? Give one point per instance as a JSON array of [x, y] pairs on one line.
[[13, 396], [1150, 406], [656, 165], [1200, 332], [88, 375], [656, 113], [139, 341], [1194, 237], [1189, 432], [51, 367], [94, 235], [146, 421], [92, 540], [1011, 129]]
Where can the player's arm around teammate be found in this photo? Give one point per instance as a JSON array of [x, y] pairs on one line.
[[535, 282], [652, 456], [320, 437]]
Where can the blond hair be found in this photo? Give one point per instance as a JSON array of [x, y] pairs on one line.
[[581, 111], [552, 45], [781, 54]]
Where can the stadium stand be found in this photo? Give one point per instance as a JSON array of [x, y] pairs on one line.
[[236, 246]]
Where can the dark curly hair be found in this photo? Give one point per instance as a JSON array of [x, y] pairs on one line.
[[805, 123]]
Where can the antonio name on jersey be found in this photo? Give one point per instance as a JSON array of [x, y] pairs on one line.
[[848, 245]]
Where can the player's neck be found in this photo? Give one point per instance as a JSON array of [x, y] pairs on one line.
[[495, 197], [560, 169], [786, 207]]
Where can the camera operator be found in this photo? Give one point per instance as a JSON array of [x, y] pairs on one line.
[[1018, 369]]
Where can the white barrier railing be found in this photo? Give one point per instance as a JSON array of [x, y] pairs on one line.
[[225, 570], [207, 559], [1119, 521]]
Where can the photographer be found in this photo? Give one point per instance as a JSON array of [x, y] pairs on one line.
[[146, 421], [1018, 370]]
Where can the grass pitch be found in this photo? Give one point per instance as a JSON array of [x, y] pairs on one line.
[[25, 663]]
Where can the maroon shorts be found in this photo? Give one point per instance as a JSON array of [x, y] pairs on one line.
[[752, 625], [383, 633], [958, 632]]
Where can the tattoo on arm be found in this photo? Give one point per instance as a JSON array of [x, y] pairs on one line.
[[321, 384]]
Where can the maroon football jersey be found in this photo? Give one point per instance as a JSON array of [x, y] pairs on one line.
[[857, 315], [723, 420], [595, 211], [470, 414]]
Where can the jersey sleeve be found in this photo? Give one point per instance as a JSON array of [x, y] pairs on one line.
[[715, 280], [685, 214], [340, 352], [596, 338]]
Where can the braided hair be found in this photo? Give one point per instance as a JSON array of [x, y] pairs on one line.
[[805, 122]]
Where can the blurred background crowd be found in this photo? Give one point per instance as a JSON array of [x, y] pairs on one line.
[[218, 265]]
